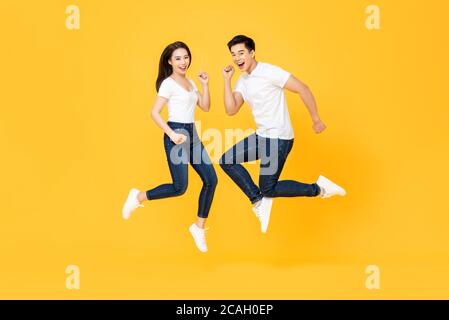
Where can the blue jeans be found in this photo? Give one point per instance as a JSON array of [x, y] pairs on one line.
[[178, 156], [273, 154]]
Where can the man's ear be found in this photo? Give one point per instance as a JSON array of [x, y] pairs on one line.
[[253, 54]]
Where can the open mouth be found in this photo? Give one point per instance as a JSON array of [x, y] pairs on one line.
[[183, 68], [240, 64]]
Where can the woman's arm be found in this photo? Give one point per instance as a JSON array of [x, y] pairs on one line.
[[204, 98], [156, 116]]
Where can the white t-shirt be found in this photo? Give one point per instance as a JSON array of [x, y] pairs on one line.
[[263, 90], [181, 103]]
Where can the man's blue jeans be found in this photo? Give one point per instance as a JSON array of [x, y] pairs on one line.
[[272, 154]]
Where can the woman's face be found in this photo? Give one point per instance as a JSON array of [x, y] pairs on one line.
[[180, 61]]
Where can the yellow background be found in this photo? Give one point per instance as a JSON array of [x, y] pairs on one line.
[[76, 135]]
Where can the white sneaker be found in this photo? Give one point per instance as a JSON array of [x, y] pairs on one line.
[[199, 236], [131, 204], [263, 211], [330, 189]]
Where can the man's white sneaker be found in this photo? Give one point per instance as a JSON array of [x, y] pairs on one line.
[[199, 236], [329, 188], [263, 211], [131, 204]]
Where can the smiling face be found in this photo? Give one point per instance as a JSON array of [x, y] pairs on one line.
[[180, 61], [242, 57]]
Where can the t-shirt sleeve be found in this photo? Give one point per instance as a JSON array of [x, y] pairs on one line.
[[278, 76], [240, 88], [165, 90]]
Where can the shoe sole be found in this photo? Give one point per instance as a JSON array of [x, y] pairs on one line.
[[124, 215]]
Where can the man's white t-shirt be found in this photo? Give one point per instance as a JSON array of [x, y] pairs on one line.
[[263, 90], [181, 103]]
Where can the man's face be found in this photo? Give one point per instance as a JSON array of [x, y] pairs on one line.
[[243, 58]]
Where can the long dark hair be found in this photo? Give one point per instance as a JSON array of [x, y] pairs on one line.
[[165, 69]]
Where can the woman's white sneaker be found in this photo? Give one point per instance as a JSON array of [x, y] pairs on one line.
[[199, 236], [263, 212], [131, 204], [329, 188]]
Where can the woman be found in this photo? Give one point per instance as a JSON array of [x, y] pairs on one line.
[[181, 141]]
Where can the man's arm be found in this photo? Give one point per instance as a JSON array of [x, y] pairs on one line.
[[295, 85], [232, 100]]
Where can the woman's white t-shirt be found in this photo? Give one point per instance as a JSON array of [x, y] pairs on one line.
[[181, 103], [263, 90]]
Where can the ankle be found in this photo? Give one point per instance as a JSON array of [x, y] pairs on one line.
[[200, 222], [199, 226], [142, 196], [322, 191]]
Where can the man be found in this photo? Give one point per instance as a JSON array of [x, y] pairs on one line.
[[262, 87]]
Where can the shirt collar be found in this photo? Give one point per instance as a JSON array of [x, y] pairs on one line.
[[255, 69]]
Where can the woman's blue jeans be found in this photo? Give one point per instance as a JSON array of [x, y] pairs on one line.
[[178, 156]]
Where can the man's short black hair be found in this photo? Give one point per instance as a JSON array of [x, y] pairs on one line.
[[249, 43]]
